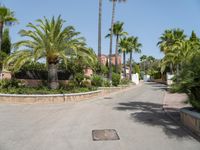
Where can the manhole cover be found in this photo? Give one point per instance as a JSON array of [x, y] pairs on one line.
[[105, 135], [107, 97]]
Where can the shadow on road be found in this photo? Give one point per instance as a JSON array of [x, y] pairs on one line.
[[153, 115], [157, 86]]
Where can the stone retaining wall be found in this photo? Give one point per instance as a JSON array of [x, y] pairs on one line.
[[191, 119], [56, 98]]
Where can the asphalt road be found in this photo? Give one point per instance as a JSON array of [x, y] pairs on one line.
[[136, 115]]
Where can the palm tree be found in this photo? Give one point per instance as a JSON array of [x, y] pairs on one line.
[[111, 35], [134, 46], [6, 18], [50, 41], [124, 46], [99, 31], [168, 40], [119, 32]]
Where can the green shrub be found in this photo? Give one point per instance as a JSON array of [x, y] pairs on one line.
[[71, 84], [104, 70], [115, 79], [125, 81], [79, 77], [136, 69], [106, 83], [188, 81], [86, 83], [43, 90], [11, 83], [97, 81]]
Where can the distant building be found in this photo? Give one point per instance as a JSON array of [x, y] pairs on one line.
[[127, 71], [88, 72], [105, 59], [5, 75], [118, 58]]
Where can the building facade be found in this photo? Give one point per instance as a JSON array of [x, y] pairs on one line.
[[105, 59]]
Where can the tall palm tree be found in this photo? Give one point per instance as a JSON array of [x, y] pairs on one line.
[[119, 32], [111, 35], [7, 17], [48, 40], [124, 46], [168, 40], [134, 46], [99, 31]]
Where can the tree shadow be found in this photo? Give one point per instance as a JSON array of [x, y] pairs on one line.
[[152, 114], [157, 86]]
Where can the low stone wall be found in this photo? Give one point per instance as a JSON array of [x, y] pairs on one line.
[[50, 98], [191, 119], [57, 98]]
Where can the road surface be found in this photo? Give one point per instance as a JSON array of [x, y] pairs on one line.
[[136, 114]]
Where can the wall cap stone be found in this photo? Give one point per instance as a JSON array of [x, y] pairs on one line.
[[190, 112], [49, 95]]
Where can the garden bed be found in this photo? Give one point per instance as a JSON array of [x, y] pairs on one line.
[[49, 98]]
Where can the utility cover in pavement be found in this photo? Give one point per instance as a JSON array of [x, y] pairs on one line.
[[105, 135]]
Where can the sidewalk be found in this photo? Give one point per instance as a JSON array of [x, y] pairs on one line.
[[172, 103]]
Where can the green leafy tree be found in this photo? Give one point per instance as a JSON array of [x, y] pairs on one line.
[[194, 41], [189, 80], [48, 40]]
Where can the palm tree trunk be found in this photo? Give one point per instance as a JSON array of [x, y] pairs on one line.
[[124, 62], [171, 68], [111, 40], [131, 57], [116, 54], [99, 31], [177, 72], [1, 38], [1, 34], [53, 76], [177, 69]]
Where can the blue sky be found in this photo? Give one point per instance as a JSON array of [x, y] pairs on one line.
[[146, 19]]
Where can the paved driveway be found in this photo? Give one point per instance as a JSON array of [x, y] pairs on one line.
[[136, 115]]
